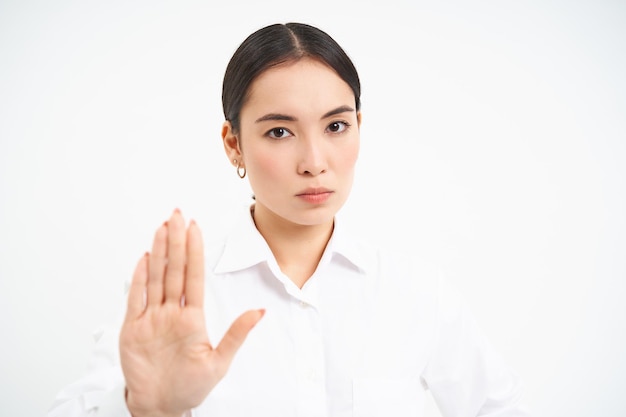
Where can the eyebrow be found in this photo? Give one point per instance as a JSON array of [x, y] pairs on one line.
[[285, 117], [338, 110]]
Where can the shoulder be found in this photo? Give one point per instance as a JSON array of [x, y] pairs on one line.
[[396, 267], [214, 248], [228, 240]]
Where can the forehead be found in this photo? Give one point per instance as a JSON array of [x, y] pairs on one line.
[[304, 86]]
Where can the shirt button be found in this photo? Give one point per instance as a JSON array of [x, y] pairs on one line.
[[303, 304]]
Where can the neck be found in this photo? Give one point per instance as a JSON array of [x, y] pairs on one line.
[[297, 248]]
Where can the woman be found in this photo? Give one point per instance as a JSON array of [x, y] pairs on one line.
[[340, 329]]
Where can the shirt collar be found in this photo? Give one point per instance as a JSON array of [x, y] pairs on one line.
[[343, 243], [245, 247]]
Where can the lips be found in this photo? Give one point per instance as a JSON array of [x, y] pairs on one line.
[[314, 191], [315, 195]]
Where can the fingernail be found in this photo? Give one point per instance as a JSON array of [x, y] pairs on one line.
[[192, 222], [177, 210]]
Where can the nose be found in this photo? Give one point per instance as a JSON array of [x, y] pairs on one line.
[[312, 156]]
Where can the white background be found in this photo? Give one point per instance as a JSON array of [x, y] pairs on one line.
[[493, 142]]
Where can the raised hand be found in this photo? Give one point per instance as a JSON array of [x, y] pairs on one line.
[[168, 363]]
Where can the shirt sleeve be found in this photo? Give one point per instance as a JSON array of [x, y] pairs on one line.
[[466, 376], [101, 392]]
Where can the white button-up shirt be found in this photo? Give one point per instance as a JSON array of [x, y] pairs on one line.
[[366, 335]]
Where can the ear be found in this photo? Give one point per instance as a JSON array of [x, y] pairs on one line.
[[231, 143], [358, 119]]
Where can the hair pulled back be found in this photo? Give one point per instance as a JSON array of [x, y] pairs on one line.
[[274, 45]]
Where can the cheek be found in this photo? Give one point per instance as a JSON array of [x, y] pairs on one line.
[[350, 156], [264, 163]]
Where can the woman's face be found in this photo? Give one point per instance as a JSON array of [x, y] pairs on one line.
[[299, 142]]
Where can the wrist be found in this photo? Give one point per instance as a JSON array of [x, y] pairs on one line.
[[137, 410]]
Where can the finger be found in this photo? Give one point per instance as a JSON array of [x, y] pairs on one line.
[[237, 333], [137, 290], [156, 266], [176, 258], [194, 284]]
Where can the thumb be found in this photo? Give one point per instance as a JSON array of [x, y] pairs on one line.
[[236, 334]]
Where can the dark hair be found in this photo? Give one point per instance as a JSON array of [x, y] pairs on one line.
[[274, 45]]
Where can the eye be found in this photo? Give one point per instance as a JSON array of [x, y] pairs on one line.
[[337, 127], [279, 133]]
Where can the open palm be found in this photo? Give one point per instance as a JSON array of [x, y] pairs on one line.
[[168, 363]]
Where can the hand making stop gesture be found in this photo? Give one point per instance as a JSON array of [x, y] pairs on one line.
[[168, 362]]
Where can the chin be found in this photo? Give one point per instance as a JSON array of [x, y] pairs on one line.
[[304, 216], [318, 216], [309, 219]]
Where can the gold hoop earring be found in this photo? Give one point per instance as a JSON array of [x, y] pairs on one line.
[[241, 173]]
